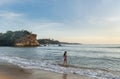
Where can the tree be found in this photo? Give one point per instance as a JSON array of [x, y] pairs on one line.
[[10, 37]]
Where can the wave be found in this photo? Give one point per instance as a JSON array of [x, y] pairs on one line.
[[49, 66]]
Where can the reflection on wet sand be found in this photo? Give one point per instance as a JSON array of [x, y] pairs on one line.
[[64, 76]]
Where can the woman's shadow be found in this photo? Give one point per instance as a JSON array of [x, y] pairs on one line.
[[64, 76]]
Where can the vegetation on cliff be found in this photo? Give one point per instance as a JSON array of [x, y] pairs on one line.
[[52, 41], [10, 37], [48, 41]]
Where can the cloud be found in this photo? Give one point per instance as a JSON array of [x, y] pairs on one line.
[[74, 20], [4, 2], [17, 21], [111, 21], [10, 15], [11, 21]]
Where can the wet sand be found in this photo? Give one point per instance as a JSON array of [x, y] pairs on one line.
[[15, 72], [41, 74]]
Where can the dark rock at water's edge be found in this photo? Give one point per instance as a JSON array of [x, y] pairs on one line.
[[18, 38]]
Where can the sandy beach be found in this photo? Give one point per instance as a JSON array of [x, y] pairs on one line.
[[15, 72], [26, 63], [41, 74]]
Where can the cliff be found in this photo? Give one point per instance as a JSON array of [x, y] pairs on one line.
[[28, 40]]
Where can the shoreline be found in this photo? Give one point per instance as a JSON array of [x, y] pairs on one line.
[[43, 74], [10, 71], [15, 72]]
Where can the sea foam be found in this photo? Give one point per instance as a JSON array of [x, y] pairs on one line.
[[49, 66]]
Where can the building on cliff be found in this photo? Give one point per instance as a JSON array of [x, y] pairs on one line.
[[28, 40]]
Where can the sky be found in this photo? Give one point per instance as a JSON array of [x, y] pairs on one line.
[[81, 21]]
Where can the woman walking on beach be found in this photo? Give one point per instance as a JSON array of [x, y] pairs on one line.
[[65, 58]]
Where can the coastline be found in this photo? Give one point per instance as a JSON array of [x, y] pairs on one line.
[[15, 72], [42, 74], [22, 63]]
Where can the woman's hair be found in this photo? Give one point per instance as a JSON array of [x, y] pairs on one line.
[[65, 53]]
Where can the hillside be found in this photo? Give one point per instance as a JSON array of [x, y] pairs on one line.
[[48, 41], [18, 38], [52, 41]]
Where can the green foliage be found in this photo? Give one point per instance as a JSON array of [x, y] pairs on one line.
[[48, 41], [9, 38]]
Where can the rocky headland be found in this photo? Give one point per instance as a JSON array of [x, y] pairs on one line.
[[18, 38], [28, 40]]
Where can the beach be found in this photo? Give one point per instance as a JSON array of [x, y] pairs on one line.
[[15, 72], [84, 62], [59, 39]]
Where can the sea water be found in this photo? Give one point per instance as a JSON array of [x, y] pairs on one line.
[[93, 60]]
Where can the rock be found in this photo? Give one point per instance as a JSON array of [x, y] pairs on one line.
[[28, 40]]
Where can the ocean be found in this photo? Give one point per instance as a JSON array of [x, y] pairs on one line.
[[93, 60]]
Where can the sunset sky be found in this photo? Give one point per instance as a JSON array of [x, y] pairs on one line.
[[83, 21]]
